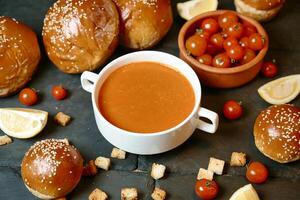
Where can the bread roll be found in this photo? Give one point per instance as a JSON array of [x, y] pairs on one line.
[[19, 55], [144, 22], [81, 35], [277, 133], [51, 168], [260, 10]]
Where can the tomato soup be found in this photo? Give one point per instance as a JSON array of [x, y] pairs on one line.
[[146, 97]]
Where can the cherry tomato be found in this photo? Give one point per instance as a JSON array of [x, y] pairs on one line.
[[235, 52], [226, 19], [217, 40], [221, 60], [205, 59], [211, 49], [28, 97], [269, 69], [248, 56], [256, 42], [235, 29], [206, 189], [232, 110], [59, 93], [210, 25], [204, 34], [249, 29], [230, 42], [196, 45], [224, 34], [244, 42], [257, 172]]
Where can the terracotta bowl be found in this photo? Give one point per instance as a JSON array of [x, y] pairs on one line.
[[221, 77]]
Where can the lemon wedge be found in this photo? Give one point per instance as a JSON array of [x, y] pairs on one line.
[[22, 123], [282, 90], [245, 193], [189, 9]]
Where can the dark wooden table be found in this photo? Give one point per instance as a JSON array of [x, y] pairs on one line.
[[183, 162]]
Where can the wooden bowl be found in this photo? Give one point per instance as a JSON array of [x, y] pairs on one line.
[[221, 77]]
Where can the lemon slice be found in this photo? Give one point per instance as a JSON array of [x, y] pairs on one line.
[[282, 90], [189, 9], [22, 123], [245, 193]]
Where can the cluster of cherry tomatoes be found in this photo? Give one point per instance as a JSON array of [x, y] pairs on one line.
[[29, 96], [207, 189], [225, 41]]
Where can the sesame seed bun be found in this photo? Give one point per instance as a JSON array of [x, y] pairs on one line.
[[51, 168], [262, 10], [19, 55], [144, 22], [277, 133], [81, 35]]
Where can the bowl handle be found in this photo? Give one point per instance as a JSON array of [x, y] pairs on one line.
[[88, 80], [212, 116]]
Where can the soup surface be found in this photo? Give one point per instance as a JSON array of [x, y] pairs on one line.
[[146, 97]]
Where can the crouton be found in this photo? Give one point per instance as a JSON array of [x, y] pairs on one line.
[[62, 119], [118, 153], [158, 171], [158, 194], [216, 165], [205, 174], [4, 139], [102, 163], [90, 169], [238, 159], [129, 194], [98, 194]]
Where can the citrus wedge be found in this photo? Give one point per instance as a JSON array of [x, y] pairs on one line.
[[22, 123], [189, 9], [245, 193], [282, 90]]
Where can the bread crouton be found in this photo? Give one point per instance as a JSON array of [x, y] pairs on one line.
[[118, 153], [158, 194], [238, 159], [98, 194], [90, 169], [205, 174], [62, 119], [4, 139], [102, 163], [129, 194], [158, 171], [216, 165]]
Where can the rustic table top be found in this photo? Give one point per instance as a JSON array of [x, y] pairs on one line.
[[183, 162]]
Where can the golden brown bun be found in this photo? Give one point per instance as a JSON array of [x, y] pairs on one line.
[[19, 55], [264, 4], [81, 35], [252, 10], [51, 168], [144, 22], [277, 133]]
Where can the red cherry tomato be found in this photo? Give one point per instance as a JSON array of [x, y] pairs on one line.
[[205, 59], [232, 110], [256, 42], [244, 42], [235, 29], [269, 69], [226, 19], [221, 60], [203, 34], [249, 29], [59, 93], [210, 25], [217, 40], [28, 97], [211, 49], [248, 56], [236, 52], [206, 189], [196, 45], [230, 42], [257, 172]]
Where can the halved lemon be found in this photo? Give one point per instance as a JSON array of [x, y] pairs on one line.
[[282, 90], [189, 9], [245, 193], [22, 123]]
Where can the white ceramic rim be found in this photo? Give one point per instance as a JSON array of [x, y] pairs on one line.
[[196, 88]]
